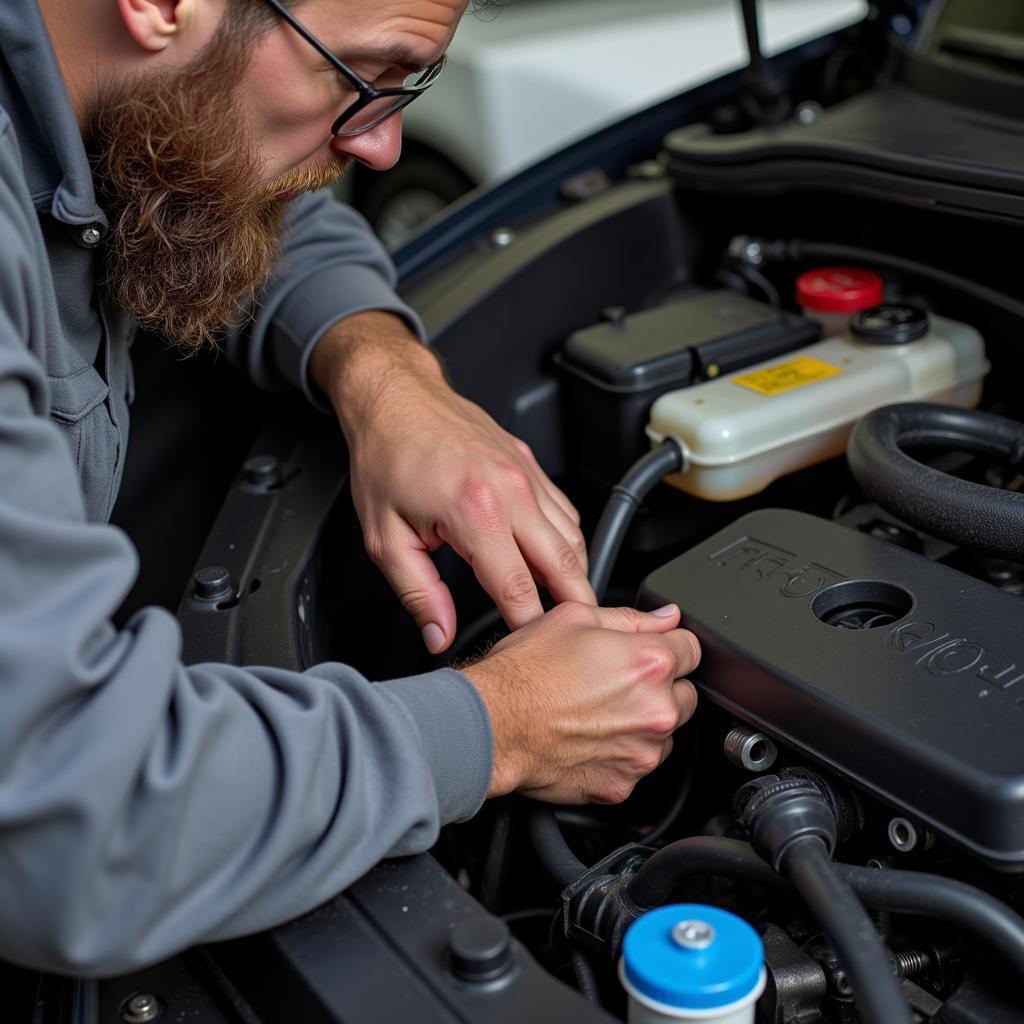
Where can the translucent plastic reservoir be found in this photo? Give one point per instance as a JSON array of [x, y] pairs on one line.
[[745, 430]]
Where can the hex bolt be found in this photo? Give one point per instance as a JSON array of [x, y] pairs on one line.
[[502, 238], [213, 582], [903, 835], [262, 470], [809, 113], [141, 1009], [750, 750], [693, 934]]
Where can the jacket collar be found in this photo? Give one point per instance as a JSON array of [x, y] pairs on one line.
[[33, 93]]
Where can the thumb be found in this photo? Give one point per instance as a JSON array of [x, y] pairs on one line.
[[418, 585], [629, 620]]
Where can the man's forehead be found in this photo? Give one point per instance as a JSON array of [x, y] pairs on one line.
[[407, 32]]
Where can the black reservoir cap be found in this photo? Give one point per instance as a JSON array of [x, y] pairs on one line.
[[889, 324], [900, 673]]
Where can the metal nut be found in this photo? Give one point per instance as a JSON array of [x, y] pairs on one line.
[[750, 750], [902, 834]]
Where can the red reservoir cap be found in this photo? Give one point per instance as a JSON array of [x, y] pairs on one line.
[[839, 289]]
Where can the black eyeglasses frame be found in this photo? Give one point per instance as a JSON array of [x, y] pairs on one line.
[[404, 95]]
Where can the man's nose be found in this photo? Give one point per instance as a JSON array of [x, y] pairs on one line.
[[378, 149]]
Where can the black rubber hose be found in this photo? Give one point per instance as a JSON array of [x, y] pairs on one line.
[[912, 892], [553, 851], [652, 885], [849, 930], [586, 980], [965, 513], [899, 892], [626, 497]]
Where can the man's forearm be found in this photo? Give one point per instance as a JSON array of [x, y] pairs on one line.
[[364, 357]]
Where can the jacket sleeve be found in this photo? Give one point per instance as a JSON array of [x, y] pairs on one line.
[[331, 266], [145, 806]]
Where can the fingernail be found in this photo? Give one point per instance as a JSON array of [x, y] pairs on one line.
[[433, 637], [666, 612]]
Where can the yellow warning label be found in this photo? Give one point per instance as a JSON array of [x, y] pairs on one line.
[[786, 376]]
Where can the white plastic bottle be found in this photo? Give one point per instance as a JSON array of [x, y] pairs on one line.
[[689, 962], [742, 431]]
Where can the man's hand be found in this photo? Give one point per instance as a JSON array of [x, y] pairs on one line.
[[430, 468], [583, 702]]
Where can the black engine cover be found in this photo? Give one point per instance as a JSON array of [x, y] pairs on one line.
[[899, 673]]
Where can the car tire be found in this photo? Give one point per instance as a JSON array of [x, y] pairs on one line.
[[396, 202]]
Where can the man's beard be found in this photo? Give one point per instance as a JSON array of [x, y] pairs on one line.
[[194, 233]]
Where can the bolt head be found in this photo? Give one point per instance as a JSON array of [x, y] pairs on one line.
[[502, 238], [753, 253], [213, 582], [809, 113], [262, 470], [141, 1009], [693, 934]]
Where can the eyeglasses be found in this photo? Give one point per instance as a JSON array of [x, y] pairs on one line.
[[372, 106]]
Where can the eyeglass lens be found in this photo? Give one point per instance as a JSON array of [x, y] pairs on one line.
[[380, 109]]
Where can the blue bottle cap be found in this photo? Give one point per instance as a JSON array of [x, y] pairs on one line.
[[693, 957]]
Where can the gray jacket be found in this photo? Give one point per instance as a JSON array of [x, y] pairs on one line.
[[145, 806]]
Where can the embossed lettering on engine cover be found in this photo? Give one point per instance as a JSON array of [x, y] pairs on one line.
[[758, 560], [944, 654]]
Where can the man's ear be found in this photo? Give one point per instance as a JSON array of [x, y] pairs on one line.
[[153, 23]]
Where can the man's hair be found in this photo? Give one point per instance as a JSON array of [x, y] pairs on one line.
[[255, 17]]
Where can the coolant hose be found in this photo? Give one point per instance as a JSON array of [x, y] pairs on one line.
[[898, 892], [964, 513], [849, 930], [652, 885], [913, 892], [626, 497], [552, 850]]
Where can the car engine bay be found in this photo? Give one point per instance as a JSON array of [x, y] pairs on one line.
[[810, 294]]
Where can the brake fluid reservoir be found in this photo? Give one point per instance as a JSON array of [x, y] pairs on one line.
[[742, 431], [688, 962]]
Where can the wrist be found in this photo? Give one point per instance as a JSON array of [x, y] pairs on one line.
[[368, 358], [511, 757]]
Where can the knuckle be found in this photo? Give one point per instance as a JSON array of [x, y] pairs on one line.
[[522, 448], [663, 721], [518, 588], [694, 652], [566, 561], [517, 482], [655, 663], [646, 762], [688, 700], [378, 548], [568, 613], [480, 504], [616, 791], [414, 601], [630, 618]]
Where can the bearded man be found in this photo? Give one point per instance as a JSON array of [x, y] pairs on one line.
[[160, 164]]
